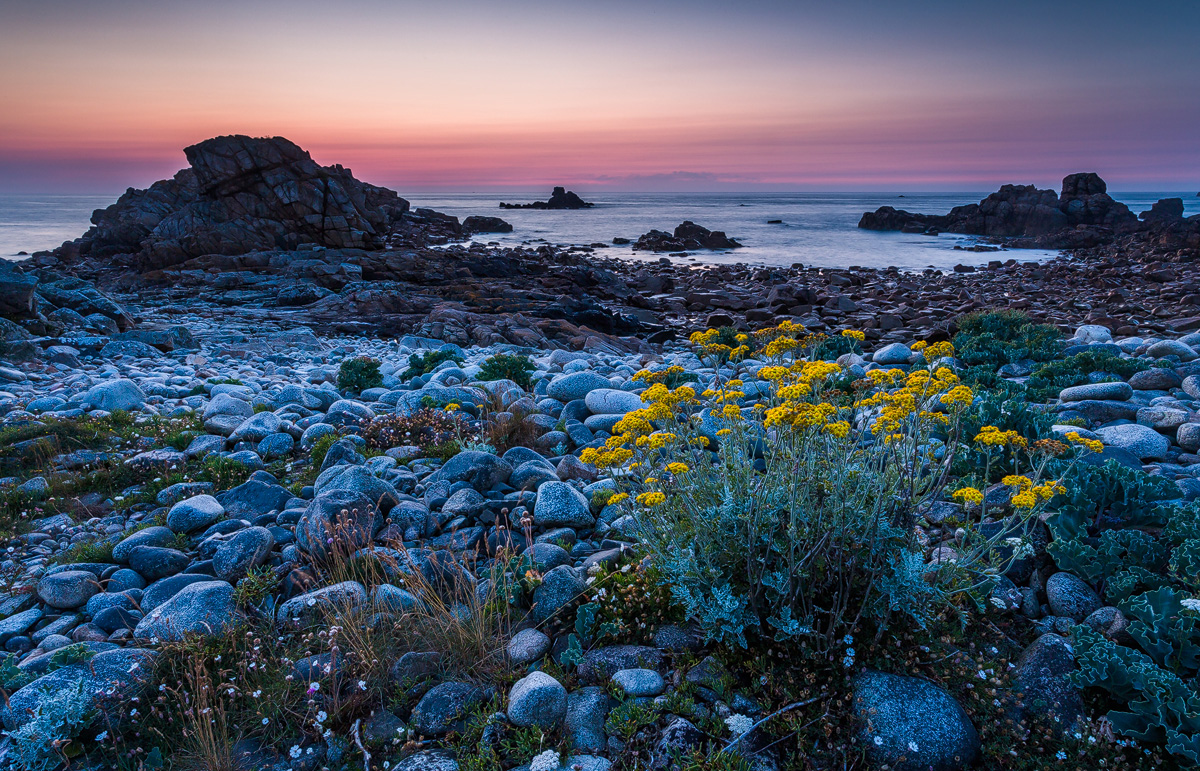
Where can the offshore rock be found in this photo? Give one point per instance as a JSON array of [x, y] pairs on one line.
[[1082, 215], [688, 235], [561, 198]]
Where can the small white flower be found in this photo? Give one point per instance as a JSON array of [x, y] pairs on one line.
[[321, 717], [1060, 755], [878, 741], [546, 761], [1191, 603], [362, 685], [294, 751], [739, 724], [257, 693], [266, 720], [912, 746]]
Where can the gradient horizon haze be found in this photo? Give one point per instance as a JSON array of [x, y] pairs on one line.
[[651, 95]]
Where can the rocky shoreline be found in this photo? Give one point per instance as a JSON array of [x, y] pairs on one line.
[[359, 495]]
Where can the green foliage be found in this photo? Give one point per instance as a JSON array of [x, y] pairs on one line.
[[223, 472], [1006, 414], [1002, 337], [358, 374], [505, 366], [422, 364], [1048, 379], [1156, 684], [258, 584], [629, 717], [1111, 497], [51, 736], [834, 346], [320, 448], [86, 551]]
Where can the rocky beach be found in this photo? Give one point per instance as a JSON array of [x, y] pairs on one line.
[[295, 475]]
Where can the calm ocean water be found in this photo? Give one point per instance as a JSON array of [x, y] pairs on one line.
[[817, 228]]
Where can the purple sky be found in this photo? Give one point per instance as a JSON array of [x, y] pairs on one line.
[[924, 95]]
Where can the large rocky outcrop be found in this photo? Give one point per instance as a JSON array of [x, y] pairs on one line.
[[687, 235], [1082, 215], [241, 194]]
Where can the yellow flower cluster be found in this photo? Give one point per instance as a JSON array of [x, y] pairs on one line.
[[651, 499], [899, 406], [677, 468], [959, 396], [614, 499], [646, 376], [799, 414], [939, 350], [918, 346], [994, 437], [1095, 445], [854, 334], [967, 495]]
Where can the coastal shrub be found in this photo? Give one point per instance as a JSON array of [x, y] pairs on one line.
[[424, 363], [86, 551], [1048, 379], [791, 517], [358, 374], [672, 377], [506, 366], [1002, 337], [223, 472]]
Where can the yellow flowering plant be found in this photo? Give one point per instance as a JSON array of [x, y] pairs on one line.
[[778, 503]]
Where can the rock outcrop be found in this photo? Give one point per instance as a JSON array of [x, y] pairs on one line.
[[1083, 215], [688, 235], [561, 198], [242, 194]]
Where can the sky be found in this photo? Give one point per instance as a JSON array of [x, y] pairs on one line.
[[99, 95]]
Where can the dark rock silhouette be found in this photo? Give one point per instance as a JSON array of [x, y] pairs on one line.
[[688, 235], [561, 198], [1082, 215], [479, 224], [242, 194]]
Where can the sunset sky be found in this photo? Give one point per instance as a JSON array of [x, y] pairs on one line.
[[921, 95]]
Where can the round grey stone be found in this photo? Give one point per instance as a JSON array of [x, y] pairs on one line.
[[1116, 392], [527, 646], [1142, 441], [576, 385], [639, 682], [1069, 596], [561, 505], [914, 719], [68, 589], [195, 513], [537, 700], [203, 608]]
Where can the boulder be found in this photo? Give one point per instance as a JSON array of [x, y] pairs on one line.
[[114, 395], [911, 724], [105, 683], [1043, 679], [195, 513], [1143, 441], [1069, 596], [202, 608], [561, 505], [444, 707], [68, 589], [243, 550], [537, 700], [337, 521]]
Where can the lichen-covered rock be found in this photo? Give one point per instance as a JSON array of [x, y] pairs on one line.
[[910, 724]]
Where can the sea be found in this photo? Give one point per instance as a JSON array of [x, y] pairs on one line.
[[775, 229]]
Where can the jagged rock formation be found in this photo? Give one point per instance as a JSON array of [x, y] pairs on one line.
[[688, 235], [1083, 215], [241, 194], [561, 198]]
